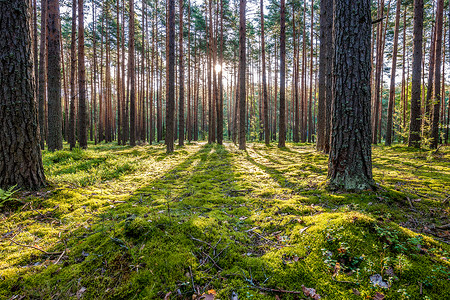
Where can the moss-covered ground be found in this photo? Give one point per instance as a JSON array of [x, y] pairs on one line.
[[135, 223]]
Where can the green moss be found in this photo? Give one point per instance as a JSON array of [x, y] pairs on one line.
[[136, 223]]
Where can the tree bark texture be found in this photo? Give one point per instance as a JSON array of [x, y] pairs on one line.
[[132, 77], [82, 106], [20, 155], [414, 125], [350, 162], [170, 105], [437, 79], [391, 102], [326, 26], [242, 67], [181, 89], [282, 125], [54, 140]]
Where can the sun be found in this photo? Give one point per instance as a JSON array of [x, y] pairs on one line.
[[218, 68]]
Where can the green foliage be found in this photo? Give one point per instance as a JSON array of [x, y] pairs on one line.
[[6, 195]]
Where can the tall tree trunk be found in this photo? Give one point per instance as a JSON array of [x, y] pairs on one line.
[[437, 79], [220, 83], [43, 73], [20, 156], [132, 76], [73, 66], [242, 67], [310, 106], [66, 98], [82, 107], [170, 103], [304, 115], [323, 116], [189, 98], [391, 103], [378, 72], [264, 83], [404, 94], [55, 141], [414, 125], [295, 133], [427, 102], [282, 125], [124, 106], [181, 90], [118, 77], [35, 48], [350, 161]]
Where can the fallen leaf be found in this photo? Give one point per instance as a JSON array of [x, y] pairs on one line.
[[356, 292], [310, 292], [304, 229], [234, 296], [81, 292], [337, 268], [390, 272], [378, 296], [209, 296]]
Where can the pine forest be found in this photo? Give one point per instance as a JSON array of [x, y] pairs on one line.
[[225, 149]]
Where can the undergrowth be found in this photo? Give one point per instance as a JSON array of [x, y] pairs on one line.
[[136, 223]]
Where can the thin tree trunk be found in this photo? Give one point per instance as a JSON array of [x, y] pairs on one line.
[[54, 78], [220, 83], [181, 84], [264, 83], [437, 72], [414, 126], [242, 67], [82, 107], [170, 103], [43, 74], [282, 125], [310, 115], [391, 102]]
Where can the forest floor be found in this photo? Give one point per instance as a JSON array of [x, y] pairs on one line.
[[213, 222]]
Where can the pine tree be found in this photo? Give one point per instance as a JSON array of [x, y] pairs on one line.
[[170, 105], [82, 106], [282, 125], [20, 155], [54, 139], [242, 68], [350, 161], [414, 125]]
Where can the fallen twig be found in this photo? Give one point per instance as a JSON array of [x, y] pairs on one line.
[[275, 290], [446, 226], [446, 200], [198, 240], [410, 204], [212, 260], [33, 247], [59, 258]]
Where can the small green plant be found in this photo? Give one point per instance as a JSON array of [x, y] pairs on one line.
[[6, 195]]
